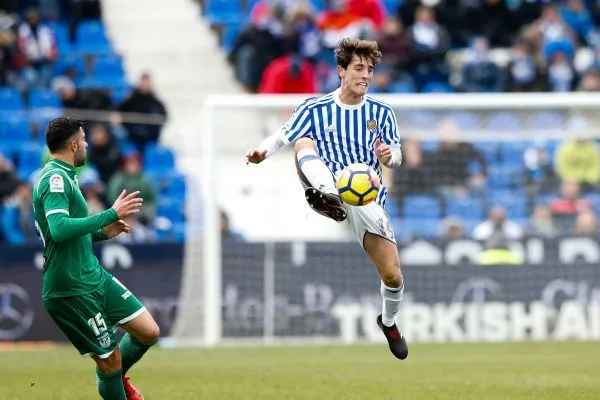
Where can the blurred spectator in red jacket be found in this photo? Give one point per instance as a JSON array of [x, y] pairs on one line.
[[371, 9], [288, 74]]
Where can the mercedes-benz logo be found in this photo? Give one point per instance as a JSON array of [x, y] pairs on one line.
[[16, 313]]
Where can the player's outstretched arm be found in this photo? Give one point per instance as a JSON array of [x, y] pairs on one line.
[[62, 227], [267, 148]]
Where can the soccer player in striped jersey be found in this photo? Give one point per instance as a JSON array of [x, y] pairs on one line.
[[333, 131]]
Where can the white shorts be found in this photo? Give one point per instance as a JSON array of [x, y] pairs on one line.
[[369, 218]]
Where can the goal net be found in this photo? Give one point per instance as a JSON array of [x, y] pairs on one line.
[[494, 209]]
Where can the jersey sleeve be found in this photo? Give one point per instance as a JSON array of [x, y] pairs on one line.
[[299, 125], [55, 194], [389, 134]]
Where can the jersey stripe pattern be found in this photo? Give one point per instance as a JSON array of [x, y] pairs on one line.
[[344, 134]]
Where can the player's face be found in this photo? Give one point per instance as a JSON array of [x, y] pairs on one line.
[[356, 78], [79, 146]]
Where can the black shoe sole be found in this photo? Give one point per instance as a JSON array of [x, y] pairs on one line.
[[322, 204], [399, 349]]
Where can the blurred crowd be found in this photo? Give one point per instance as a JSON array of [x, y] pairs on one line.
[[428, 46], [495, 192], [45, 62]]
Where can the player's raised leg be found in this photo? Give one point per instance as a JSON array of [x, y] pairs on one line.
[[109, 376], [322, 194], [384, 255]]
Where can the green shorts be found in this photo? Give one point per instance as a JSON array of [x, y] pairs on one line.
[[90, 320]]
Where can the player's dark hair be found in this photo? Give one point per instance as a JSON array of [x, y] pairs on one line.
[[365, 49], [60, 130]]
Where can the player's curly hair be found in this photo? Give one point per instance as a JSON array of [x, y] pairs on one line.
[[365, 49]]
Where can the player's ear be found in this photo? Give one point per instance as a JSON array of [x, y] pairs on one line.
[[340, 71]]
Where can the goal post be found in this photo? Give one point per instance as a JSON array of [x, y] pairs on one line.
[[282, 236]]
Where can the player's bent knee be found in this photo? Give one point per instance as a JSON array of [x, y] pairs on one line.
[[150, 334], [392, 277], [153, 334], [111, 363]]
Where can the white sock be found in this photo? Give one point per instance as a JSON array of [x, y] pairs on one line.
[[315, 170], [392, 297]]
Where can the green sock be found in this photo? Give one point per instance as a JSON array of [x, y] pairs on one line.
[[110, 385], [131, 351]]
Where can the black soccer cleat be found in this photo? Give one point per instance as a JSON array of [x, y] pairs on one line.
[[396, 341], [327, 204]]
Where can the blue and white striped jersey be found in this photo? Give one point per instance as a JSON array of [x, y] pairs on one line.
[[344, 134]]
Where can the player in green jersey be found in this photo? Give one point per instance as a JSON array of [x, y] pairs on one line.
[[85, 301]]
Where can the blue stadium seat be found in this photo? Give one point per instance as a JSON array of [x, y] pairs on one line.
[[175, 233], [429, 145], [15, 127], [514, 201], [171, 208], [10, 99], [512, 153], [101, 82], [10, 225], [467, 207], [91, 38], [30, 155], [504, 176], [392, 6], [594, 199], [319, 5], [504, 122], [109, 65], [547, 120], [465, 120], [421, 206], [489, 149], [421, 120], [544, 199], [223, 11], [426, 228], [402, 86], [62, 36], [120, 93], [176, 186], [391, 207], [230, 34], [41, 98], [158, 159], [250, 4], [437, 87], [71, 64]]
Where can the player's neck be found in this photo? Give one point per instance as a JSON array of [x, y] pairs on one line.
[[349, 98], [64, 158]]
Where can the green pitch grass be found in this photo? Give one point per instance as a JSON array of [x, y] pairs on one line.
[[522, 371]]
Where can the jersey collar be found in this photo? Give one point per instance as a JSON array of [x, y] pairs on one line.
[[62, 165], [336, 99]]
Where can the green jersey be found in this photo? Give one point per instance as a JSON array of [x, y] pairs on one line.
[[67, 232]]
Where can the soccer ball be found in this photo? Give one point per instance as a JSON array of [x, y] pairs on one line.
[[358, 184]]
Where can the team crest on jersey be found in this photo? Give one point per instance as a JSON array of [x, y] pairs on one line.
[[372, 126], [57, 184], [104, 341]]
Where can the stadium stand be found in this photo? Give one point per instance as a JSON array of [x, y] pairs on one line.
[[487, 46], [70, 67]]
